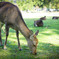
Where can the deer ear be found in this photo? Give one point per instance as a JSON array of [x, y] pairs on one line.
[[37, 32]]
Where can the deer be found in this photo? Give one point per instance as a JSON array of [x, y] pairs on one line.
[[38, 23], [55, 17], [11, 16], [43, 18]]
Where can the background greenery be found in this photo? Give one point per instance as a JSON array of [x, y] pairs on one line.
[[48, 37], [30, 4]]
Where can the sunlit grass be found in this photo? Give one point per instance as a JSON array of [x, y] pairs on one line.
[[48, 46]]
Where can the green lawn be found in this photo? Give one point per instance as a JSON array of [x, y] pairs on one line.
[[48, 46]]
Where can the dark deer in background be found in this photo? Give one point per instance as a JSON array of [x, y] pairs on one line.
[[38, 23], [11, 17], [43, 18], [55, 17]]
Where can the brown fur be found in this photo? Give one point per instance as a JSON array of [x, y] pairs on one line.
[[11, 17], [38, 23]]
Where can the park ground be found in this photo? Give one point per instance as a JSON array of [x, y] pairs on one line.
[[48, 37]]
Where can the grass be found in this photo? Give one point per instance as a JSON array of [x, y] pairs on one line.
[[48, 46]]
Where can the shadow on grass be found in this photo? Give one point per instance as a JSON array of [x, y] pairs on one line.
[[44, 50]]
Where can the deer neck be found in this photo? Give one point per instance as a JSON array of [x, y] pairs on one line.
[[24, 29]]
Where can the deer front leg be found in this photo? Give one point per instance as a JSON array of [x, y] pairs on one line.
[[17, 34], [7, 33]]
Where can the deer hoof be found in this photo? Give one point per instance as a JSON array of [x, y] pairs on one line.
[[5, 48]]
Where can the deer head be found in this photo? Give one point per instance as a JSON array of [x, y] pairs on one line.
[[32, 42]]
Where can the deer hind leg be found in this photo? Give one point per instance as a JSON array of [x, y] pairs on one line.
[[7, 33], [1, 24], [17, 34]]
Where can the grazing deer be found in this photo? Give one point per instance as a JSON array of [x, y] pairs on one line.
[[55, 17], [11, 17]]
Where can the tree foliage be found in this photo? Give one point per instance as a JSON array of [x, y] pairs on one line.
[[28, 4]]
